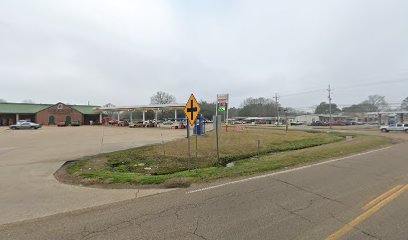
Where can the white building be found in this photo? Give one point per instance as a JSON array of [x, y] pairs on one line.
[[324, 118]]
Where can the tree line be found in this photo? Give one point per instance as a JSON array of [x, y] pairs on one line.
[[261, 107]]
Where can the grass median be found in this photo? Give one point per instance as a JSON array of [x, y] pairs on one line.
[[168, 162]]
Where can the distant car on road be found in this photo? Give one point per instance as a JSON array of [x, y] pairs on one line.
[[297, 123], [397, 127], [75, 123], [25, 125], [317, 123]]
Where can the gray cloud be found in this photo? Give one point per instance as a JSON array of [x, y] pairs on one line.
[[124, 51]]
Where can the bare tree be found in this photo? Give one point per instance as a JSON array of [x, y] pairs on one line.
[[108, 113], [258, 107], [377, 103], [162, 98]]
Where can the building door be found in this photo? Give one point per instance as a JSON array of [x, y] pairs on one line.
[[68, 120], [51, 120]]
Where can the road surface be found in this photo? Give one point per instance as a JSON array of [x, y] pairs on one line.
[[29, 158], [359, 197]]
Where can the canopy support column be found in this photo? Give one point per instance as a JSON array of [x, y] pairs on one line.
[[155, 117]]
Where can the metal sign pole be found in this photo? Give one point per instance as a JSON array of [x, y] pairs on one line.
[[226, 106], [196, 147], [259, 149], [216, 107], [189, 150], [192, 110], [216, 134]]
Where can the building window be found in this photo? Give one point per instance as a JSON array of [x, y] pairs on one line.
[[60, 106]]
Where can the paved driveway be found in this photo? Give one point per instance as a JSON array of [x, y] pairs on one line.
[[28, 159]]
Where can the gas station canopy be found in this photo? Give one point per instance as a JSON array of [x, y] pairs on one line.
[[155, 107]]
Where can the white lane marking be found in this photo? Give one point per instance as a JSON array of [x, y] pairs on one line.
[[284, 171]]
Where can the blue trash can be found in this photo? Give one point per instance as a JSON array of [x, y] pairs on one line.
[[199, 127]]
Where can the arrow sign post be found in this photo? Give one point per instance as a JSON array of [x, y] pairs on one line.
[[192, 109]]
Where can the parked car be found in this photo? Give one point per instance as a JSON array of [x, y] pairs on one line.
[[123, 123], [136, 124], [167, 122], [75, 123], [113, 122], [150, 123], [25, 125], [338, 123], [61, 124], [397, 127], [297, 123]]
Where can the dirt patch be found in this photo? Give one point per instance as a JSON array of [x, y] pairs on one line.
[[62, 175]]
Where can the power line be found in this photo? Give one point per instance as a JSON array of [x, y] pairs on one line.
[[373, 83], [301, 93], [367, 84]]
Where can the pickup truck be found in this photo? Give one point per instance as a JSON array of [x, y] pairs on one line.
[[396, 127]]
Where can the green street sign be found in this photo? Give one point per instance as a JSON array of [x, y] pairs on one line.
[[221, 108]]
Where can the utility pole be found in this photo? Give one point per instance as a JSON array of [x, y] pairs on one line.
[[277, 107], [330, 110]]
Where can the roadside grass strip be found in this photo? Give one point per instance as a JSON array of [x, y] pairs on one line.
[[371, 208], [304, 148]]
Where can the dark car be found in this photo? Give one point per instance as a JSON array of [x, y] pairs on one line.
[[25, 125], [75, 123]]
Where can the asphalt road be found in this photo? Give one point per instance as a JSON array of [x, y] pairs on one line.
[[328, 199]]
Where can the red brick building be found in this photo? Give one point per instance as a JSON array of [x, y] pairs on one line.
[[47, 114]]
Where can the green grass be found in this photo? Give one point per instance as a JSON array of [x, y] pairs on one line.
[[279, 150]]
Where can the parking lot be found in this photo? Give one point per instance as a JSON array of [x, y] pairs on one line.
[[28, 159]]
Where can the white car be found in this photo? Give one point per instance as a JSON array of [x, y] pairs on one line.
[[396, 127], [25, 125]]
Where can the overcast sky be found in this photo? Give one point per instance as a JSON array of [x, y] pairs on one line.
[[124, 51]]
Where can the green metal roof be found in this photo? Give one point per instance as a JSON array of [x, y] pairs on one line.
[[85, 109], [32, 108], [27, 108]]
